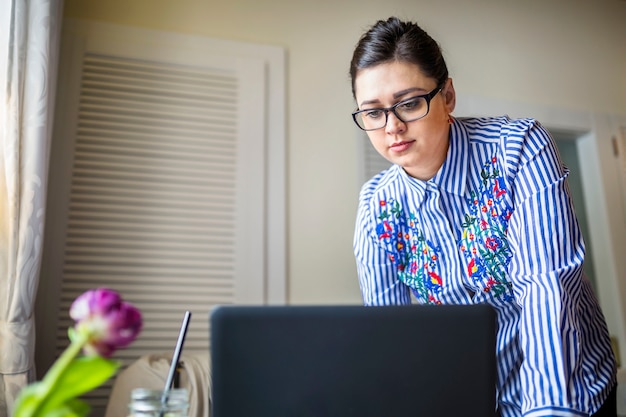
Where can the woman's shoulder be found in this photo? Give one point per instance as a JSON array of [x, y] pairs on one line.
[[497, 125], [504, 132]]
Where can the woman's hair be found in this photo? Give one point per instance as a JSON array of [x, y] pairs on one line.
[[395, 40]]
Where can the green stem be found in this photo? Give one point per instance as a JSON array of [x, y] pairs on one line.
[[58, 368], [74, 348]]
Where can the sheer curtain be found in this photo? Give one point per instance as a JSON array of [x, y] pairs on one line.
[[29, 39]]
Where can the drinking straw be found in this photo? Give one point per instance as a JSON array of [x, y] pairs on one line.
[[175, 359]]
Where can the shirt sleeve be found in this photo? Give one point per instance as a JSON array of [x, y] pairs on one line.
[[546, 268], [377, 274]]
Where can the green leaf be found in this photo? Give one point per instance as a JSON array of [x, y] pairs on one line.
[[28, 400], [72, 408], [31, 397], [82, 375]]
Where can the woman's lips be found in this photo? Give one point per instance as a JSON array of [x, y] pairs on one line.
[[400, 146]]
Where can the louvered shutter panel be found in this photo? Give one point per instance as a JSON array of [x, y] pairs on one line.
[[166, 197], [153, 197]]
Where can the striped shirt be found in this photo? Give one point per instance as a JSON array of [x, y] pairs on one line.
[[495, 225]]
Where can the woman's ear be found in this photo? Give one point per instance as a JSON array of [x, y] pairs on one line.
[[449, 95]]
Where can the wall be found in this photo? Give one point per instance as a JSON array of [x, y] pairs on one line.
[[563, 54]]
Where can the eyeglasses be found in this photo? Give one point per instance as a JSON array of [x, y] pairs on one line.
[[408, 110]]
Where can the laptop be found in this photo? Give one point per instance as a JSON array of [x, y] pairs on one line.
[[343, 361]]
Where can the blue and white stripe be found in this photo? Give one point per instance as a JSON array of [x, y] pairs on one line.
[[553, 347]]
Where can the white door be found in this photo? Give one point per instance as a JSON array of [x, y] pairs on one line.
[[160, 183]]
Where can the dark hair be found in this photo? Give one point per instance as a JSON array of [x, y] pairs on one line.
[[395, 40]]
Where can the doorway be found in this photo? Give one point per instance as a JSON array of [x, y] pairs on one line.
[[567, 143]]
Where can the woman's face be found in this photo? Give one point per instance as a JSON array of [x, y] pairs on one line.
[[421, 146]]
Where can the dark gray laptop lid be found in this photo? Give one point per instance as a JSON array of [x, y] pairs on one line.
[[341, 361]]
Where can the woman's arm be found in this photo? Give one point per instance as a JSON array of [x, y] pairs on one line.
[[546, 268], [377, 272]]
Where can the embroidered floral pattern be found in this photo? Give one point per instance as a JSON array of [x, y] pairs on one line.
[[415, 257], [483, 241]]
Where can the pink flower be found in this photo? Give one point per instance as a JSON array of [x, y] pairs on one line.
[[105, 320]]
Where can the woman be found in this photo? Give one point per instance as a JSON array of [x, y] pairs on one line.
[[477, 211]]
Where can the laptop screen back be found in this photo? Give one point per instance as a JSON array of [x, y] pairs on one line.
[[341, 361]]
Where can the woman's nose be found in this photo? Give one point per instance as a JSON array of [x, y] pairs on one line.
[[394, 125]]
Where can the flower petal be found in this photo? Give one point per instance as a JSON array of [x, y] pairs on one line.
[[107, 322]]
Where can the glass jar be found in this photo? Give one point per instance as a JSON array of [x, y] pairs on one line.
[[151, 403]]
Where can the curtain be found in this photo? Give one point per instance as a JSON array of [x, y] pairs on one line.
[[29, 39]]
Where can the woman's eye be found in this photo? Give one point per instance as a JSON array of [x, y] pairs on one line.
[[373, 114], [410, 105]]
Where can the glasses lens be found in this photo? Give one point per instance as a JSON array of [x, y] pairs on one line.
[[371, 119], [412, 109]]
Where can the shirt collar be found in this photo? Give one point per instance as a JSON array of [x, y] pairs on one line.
[[452, 176]]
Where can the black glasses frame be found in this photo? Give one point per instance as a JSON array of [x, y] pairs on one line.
[[428, 97]]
